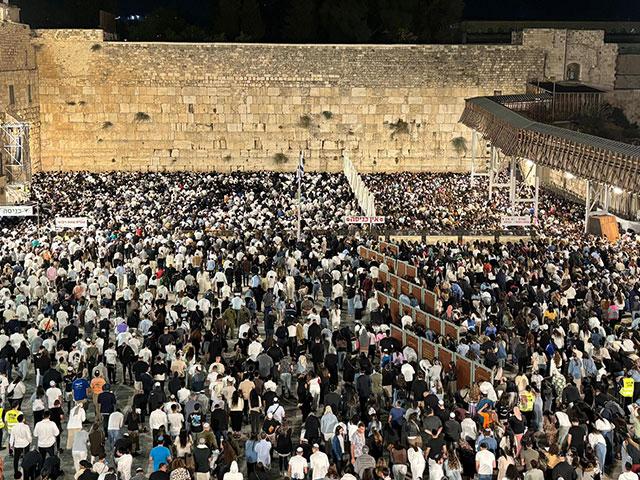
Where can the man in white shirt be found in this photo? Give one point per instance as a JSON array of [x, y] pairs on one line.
[[298, 466], [158, 419], [469, 429], [319, 463], [485, 462], [407, 372], [110, 358], [175, 420], [77, 416], [628, 474], [276, 410], [564, 424], [254, 349], [46, 432], [19, 440], [124, 463], [114, 427], [53, 393]]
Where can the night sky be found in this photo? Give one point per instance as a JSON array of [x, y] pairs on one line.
[[479, 9]]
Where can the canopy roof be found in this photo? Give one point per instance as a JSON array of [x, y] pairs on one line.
[[587, 156]]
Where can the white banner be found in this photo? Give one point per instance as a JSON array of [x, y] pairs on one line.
[[71, 222], [357, 219], [16, 211], [515, 220]]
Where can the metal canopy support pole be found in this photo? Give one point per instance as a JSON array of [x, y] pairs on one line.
[[607, 197], [586, 207], [536, 196], [474, 139], [512, 183], [492, 162]]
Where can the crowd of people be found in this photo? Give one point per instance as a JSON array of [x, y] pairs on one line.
[[188, 333], [443, 203]]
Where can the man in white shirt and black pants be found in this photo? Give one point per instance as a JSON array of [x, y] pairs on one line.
[[19, 441], [47, 432]]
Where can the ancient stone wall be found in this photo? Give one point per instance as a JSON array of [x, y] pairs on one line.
[[586, 48], [139, 106], [19, 82]]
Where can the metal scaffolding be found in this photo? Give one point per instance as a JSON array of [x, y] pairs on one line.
[[14, 159], [519, 181]]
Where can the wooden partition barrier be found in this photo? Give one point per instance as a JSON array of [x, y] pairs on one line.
[[400, 276], [425, 319], [389, 247], [467, 371]]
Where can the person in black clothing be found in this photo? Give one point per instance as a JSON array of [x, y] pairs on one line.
[[196, 419], [56, 415], [576, 438], [51, 468], [107, 402], [219, 422], [32, 464], [160, 474], [157, 397], [201, 456], [87, 472], [564, 470]]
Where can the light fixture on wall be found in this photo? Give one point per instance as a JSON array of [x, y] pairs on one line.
[[569, 176], [617, 190]]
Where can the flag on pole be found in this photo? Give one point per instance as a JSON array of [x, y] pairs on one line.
[[300, 169]]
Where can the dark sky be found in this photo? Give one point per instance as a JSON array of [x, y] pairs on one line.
[[480, 9], [552, 9]]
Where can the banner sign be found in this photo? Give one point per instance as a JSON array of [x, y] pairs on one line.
[[16, 211], [71, 222], [355, 219], [515, 221]]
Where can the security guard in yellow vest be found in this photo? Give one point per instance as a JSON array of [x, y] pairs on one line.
[[527, 400], [627, 387], [2, 425], [11, 418]]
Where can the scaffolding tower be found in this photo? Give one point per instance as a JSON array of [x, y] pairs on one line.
[[14, 159]]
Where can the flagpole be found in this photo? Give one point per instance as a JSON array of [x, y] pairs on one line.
[[299, 175]]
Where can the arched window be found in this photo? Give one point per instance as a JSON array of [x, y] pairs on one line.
[[573, 71]]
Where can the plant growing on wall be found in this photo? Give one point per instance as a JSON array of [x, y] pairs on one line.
[[327, 115], [280, 158], [106, 125], [399, 128], [95, 47], [459, 144], [142, 117], [227, 158], [305, 121]]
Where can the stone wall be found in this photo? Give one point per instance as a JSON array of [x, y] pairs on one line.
[[139, 106], [18, 74], [560, 48]]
